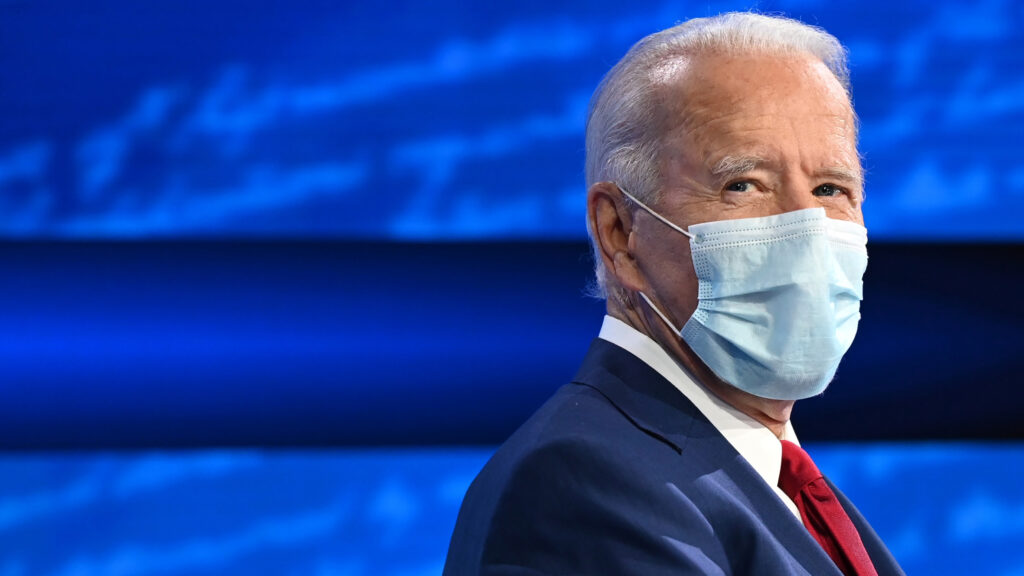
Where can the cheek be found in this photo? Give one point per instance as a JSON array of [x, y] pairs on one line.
[[859, 215], [674, 283], [844, 209]]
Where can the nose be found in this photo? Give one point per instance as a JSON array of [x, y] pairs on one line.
[[797, 195]]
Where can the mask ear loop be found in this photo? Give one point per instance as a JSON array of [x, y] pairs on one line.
[[655, 214], [671, 225], [661, 314]]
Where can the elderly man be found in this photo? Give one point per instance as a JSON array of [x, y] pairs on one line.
[[724, 209]]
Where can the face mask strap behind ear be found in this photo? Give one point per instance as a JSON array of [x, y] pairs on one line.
[[653, 213], [659, 312]]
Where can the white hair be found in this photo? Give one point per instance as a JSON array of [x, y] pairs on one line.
[[623, 137]]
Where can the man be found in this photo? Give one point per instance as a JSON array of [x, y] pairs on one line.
[[724, 209]]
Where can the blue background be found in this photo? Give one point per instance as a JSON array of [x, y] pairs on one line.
[[390, 512], [277, 276], [445, 120]]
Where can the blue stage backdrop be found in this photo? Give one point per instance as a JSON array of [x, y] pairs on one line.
[[227, 225], [391, 512], [440, 120]]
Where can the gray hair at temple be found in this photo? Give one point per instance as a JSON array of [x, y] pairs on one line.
[[623, 140]]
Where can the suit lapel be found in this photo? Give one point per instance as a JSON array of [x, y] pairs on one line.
[[655, 406]]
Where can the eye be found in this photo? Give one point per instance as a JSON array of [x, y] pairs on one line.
[[828, 190], [740, 186]]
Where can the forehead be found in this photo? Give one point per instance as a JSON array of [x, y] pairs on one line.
[[764, 105]]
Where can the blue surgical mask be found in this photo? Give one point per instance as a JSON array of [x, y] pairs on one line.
[[778, 299]]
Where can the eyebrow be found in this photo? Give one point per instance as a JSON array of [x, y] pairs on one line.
[[733, 166], [844, 174]]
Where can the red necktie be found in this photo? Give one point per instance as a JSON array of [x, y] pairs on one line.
[[822, 513]]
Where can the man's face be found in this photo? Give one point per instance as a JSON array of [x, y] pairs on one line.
[[744, 137]]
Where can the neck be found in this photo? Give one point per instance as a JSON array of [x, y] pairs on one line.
[[772, 414]]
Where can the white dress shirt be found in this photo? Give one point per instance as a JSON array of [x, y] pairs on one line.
[[755, 443]]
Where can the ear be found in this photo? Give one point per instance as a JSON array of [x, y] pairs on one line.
[[611, 224]]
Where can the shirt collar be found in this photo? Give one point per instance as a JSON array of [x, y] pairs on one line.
[[756, 443]]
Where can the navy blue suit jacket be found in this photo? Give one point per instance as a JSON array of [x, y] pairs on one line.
[[618, 473]]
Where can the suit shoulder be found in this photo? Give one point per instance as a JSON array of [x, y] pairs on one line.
[[578, 412], [567, 490], [577, 424]]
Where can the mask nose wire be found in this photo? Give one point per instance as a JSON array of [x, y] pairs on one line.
[[653, 213]]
